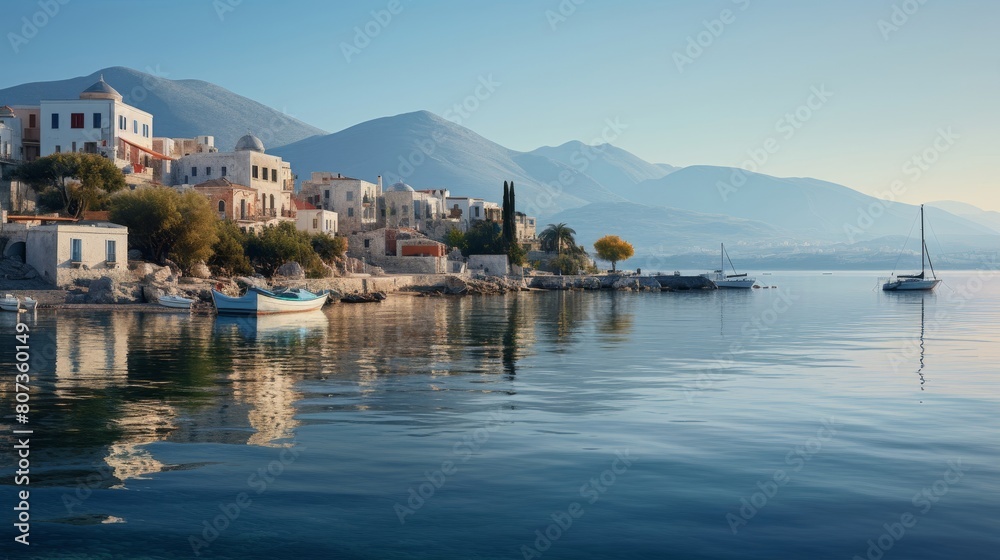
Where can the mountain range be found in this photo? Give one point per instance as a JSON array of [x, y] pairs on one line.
[[597, 190]]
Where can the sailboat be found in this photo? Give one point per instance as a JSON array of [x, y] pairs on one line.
[[907, 282], [734, 280]]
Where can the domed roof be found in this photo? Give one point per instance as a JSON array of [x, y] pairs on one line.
[[249, 142], [399, 187], [101, 90]]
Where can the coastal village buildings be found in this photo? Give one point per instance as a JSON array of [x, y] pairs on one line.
[[354, 200], [406, 207], [11, 131], [63, 251], [246, 165]]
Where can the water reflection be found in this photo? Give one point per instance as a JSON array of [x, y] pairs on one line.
[[110, 384]]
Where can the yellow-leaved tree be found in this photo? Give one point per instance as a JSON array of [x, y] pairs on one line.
[[613, 248]]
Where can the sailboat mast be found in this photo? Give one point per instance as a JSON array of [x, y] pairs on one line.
[[923, 244], [722, 258]]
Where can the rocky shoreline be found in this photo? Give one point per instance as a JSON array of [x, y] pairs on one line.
[[149, 282]]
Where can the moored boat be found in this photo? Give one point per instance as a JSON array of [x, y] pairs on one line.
[[10, 303], [734, 280], [30, 304], [175, 302], [258, 301], [915, 282]]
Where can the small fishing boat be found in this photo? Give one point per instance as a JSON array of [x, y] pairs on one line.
[[10, 303], [914, 282], [30, 304], [175, 302], [734, 280], [258, 301]]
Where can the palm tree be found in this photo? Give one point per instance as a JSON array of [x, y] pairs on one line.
[[555, 235]]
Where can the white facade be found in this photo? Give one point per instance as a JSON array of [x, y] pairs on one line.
[[354, 200], [97, 123], [63, 252], [11, 130], [316, 221], [405, 207], [30, 117]]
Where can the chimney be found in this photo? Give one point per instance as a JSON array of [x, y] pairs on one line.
[[379, 190]]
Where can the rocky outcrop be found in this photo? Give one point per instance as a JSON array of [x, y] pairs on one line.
[[291, 271], [13, 268], [200, 270], [108, 290]]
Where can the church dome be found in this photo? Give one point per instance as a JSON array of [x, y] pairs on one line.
[[251, 143], [101, 90], [400, 187]]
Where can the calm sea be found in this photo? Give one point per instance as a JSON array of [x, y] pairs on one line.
[[822, 418]]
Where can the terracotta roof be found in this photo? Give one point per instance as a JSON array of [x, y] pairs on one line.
[[303, 205]]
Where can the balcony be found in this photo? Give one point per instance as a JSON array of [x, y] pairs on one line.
[[31, 135]]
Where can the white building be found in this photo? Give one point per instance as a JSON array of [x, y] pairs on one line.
[[99, 123], [246, 165], [310, 219], [64, 252], [409, 208], [354, 200], [11, 131]]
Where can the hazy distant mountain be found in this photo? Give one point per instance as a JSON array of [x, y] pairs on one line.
[[180, 108], [658, 230], [972, 213], [809, 209], [427, 151], [613, 167]]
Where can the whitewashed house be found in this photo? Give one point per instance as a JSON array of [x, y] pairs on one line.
[[354, 200]]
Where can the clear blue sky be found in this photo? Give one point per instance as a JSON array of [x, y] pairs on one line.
[[892, 89]]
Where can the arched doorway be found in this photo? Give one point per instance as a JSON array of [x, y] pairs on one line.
[[15, 249]]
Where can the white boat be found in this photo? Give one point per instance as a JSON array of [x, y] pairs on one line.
[[175, 302], [734, 280], [30, 304], [258, 301], [10, 303], [915, 282]]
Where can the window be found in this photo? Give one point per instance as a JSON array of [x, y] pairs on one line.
[[350, 196], [208, 171], [32, 121], [145, 131], [274, 175], [265, 174], [272, 202], [122, 122], [416, 208], [350, 212], [223, 170], [111, 245], [97, 120], [194, 171], [367, 242], [222, 206], [55, 120], [72, 147], [254, 172], [58, 149], [477, 211], [135, 126], [315, 223], [76, 120], [326, 193], [76, 250]]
